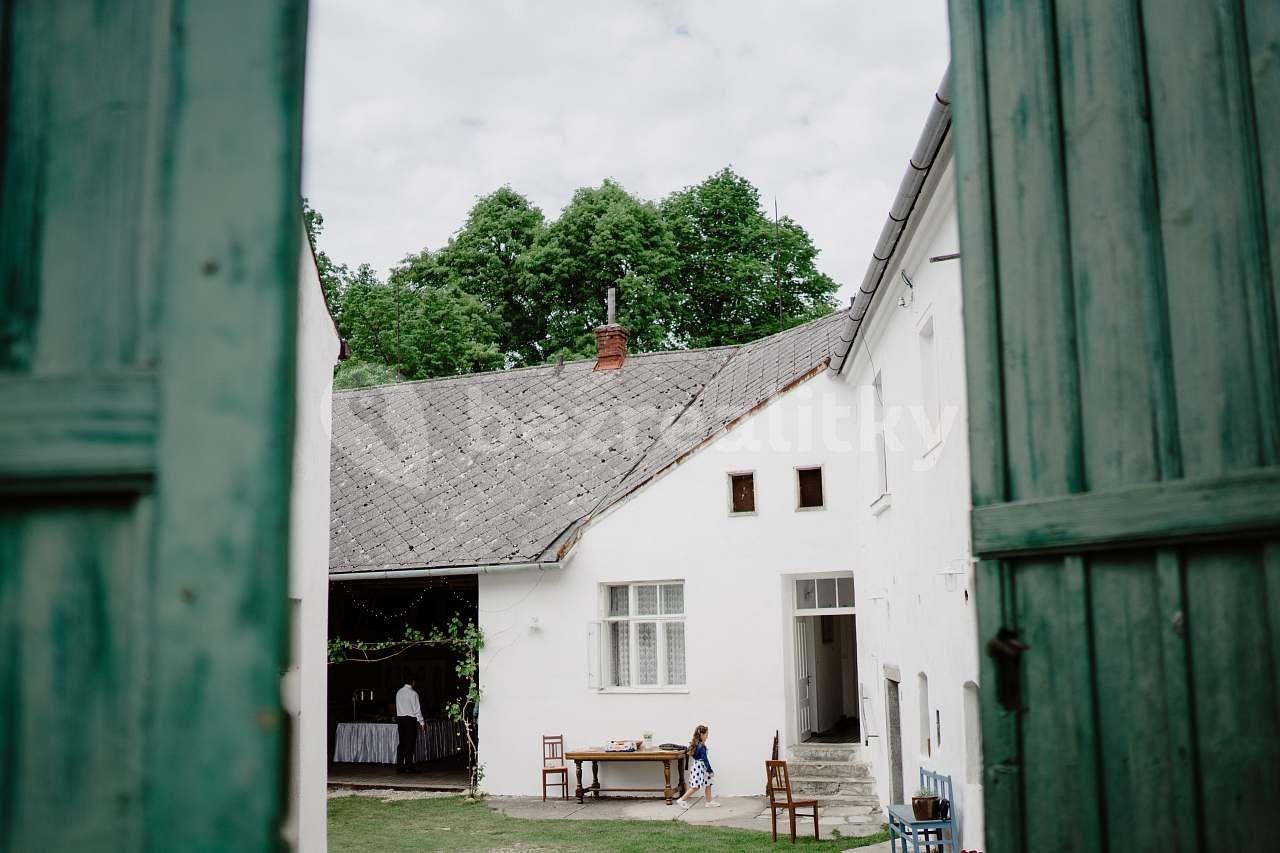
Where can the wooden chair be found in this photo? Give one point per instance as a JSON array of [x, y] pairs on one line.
[[553, 765], [780, 783]]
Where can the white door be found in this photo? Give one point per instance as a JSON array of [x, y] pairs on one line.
[[804, 676]]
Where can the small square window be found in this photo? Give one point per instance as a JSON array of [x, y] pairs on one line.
[[618, 599], [743, 492], [810, 480], [826, 592], [646, 600], [844, 588], [806, 597], [672, 599]]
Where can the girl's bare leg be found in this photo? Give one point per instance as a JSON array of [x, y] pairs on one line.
[[707, 792]]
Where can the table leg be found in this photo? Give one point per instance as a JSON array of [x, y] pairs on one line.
[[595, 779], [579, 764], [681, 767], [666, 772]]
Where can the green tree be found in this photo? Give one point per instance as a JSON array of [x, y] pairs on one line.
[[605, 237], [355, 373], [333, 277], [421, 331], [485, 259], [740, 276]]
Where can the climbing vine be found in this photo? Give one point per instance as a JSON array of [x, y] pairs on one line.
[[466, 639]]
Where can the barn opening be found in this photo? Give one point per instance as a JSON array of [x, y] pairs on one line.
[[362, 688]]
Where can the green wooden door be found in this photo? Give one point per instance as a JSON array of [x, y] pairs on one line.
[[148, 241], [1119, 180]]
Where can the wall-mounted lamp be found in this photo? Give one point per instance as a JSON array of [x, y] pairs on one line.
[[910, 296]]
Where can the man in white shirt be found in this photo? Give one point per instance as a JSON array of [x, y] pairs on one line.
[[408, 719]]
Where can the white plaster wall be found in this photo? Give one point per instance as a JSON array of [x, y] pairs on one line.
[[306, 683], [738, 604], [915, 597]]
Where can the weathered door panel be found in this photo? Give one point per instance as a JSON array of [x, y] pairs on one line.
[[893, 718], [804, 676], [1119, 221], [148, 246]]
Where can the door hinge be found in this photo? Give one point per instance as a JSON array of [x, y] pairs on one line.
[[1005, 650]]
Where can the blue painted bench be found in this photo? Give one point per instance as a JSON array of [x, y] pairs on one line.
[[904, 826]]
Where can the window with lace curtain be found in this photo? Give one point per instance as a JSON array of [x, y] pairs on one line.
[[644, 634]]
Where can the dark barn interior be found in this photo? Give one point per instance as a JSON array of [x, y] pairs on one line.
[[364, 691]]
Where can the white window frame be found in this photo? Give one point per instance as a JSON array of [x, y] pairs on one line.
[[822, 482], [755, 494], [633, 619], [882, 449], [930, 387], [839, 610]]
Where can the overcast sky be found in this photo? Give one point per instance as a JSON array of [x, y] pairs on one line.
[[415, 107]]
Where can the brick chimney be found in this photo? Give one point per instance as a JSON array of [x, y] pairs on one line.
[[611, 341]]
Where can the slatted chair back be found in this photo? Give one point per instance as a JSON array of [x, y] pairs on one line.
[[779, 781], [553, 751], [938, 783]]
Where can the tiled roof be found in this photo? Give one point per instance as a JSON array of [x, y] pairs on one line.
[[500, 467]]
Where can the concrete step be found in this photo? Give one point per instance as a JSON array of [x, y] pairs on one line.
[[830, 769]]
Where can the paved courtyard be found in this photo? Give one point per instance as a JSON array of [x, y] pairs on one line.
[[737, 812]]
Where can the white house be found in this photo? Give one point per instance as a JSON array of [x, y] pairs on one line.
[[305, 682], [770, 537], [902, 356]]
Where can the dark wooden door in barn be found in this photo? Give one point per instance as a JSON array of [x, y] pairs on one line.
[[149, 231], [1119, 179]]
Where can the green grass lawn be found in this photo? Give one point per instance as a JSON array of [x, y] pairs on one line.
[[368, 825]]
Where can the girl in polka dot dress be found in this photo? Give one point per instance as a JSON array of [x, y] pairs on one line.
[[700, 772]]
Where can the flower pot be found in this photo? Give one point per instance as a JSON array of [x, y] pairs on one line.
[[925, 808]]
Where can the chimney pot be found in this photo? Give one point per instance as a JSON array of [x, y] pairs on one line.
[[611, 340]]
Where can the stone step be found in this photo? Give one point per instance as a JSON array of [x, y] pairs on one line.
[[819, 787], [849, 811], [824, 751], [831, 797], [830, 769]]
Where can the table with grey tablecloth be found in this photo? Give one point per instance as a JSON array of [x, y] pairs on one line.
[[376, 743]]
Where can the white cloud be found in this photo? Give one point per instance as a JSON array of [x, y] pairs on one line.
[[415, 108]]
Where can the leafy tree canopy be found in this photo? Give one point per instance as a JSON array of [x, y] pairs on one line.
[[741, 275], [705, 267]]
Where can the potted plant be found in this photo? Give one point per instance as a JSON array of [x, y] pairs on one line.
[[648, 740], [924, 804]]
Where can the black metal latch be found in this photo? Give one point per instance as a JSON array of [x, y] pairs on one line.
[[1005, 650]]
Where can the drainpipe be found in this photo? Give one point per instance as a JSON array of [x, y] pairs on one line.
[[904, 208], [444, 571]]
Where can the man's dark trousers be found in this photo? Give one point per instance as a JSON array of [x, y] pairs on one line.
[[408, 743]]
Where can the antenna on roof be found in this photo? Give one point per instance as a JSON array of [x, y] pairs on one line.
[[777, 263], [610, 301]]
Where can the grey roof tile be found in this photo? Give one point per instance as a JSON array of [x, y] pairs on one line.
[[494, 467]]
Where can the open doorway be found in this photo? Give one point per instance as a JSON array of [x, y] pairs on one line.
[[362, 693], [826, 648]]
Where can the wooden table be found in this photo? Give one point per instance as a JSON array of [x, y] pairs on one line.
[[596, 755]]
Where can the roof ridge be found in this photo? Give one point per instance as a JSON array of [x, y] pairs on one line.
[[608, 498], [828, 316], [613, 497]]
